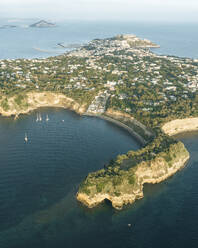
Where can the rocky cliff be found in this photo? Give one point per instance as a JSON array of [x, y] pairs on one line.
[[122, 187], [119, 183], [22, 104], [180, 126], [140, 131]]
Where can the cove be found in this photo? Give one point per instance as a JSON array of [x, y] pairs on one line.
[[38, 205], [47, 170]]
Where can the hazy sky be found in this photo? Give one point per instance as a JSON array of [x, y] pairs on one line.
[[153, 10]]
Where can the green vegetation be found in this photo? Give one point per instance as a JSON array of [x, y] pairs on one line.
[[131, 179], [19, 99], [118, 73], [116, 179], [152, 88], [4, 104]]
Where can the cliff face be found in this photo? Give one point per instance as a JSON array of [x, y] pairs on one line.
[[139, 130], [180, 125], [25, 103], [118, 185], [124, 187]]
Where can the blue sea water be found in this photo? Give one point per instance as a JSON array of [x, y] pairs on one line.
[[175, 39], [39, 180]]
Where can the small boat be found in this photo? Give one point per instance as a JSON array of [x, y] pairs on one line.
[[40, 118], [63, 120], [47, 118], [37, 118], [26, 138]]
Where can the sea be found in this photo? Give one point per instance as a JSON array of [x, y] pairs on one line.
[[39, 178], [25, 42]]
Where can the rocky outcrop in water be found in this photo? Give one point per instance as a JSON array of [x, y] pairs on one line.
[[123, 187]]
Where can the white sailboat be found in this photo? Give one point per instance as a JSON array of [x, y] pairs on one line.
[[26, 138], [47, 118], [40, 118], [37, 118]]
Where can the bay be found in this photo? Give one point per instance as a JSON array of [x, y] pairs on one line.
[[39, 180]]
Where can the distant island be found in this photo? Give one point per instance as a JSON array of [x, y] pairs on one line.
[[42, 24], [8, 26], [122, 81]]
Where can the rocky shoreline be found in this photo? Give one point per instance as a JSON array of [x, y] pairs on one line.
[[180, 126], [34, 100], [158, 171], [153, 172]]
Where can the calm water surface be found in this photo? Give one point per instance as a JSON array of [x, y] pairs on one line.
[[39, 180], [178, 39], [44, 173]]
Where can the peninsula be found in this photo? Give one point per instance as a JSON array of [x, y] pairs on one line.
[[121, 80]]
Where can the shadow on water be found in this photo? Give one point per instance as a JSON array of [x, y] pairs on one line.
[[108, 203]]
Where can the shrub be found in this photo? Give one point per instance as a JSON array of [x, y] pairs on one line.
[[19, 99], [99, 187], [117, 193], [5, 105], [131, 179], [117, 181]]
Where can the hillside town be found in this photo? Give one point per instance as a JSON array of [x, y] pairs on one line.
[[123, 70]]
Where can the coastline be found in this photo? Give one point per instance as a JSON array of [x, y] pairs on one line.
[[48, 99], [157, 172], [180, 126], [118, 123], [35, 100], [143, 174]]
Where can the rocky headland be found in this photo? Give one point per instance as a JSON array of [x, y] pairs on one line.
[[23, 104], [125, 187], [122, 183], [120, 80]]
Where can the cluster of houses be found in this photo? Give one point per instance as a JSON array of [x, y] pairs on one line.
[[125, 58], [98, 105]]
